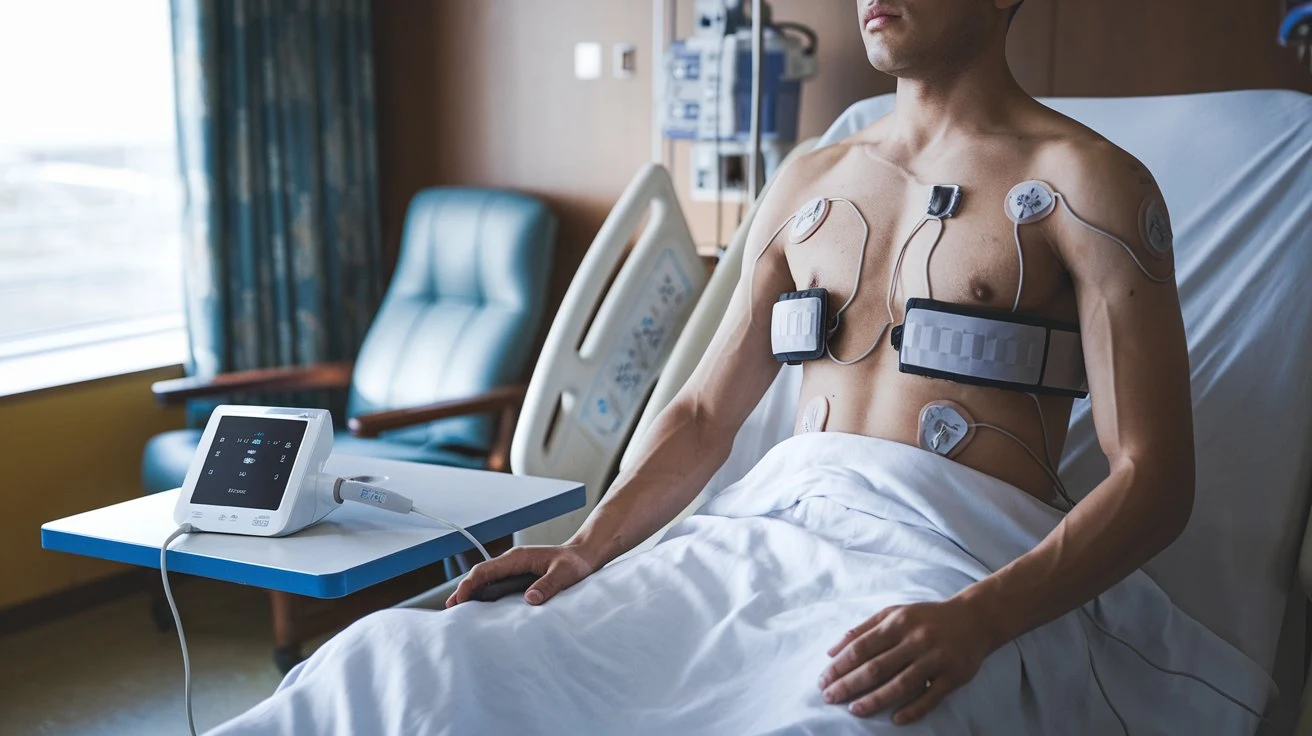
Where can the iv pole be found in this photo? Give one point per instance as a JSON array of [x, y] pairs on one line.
[[758, 53]]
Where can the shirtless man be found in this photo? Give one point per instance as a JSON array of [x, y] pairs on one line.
[[960, 118]]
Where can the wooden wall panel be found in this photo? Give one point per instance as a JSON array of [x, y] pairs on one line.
[[1132, 47], [1029, 46], [483, 93]]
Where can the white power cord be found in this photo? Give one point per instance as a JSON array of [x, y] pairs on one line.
[[177, 620], [361, 491], [344, 489]]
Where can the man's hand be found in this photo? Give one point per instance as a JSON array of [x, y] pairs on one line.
[[911, 656], [559, 568]]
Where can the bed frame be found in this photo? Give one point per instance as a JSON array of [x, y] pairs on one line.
[[559, 434]]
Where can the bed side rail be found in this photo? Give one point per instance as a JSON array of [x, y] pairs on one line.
[[594, 375]]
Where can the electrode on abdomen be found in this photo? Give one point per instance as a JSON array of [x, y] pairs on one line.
[[945, 428], [816, 415]]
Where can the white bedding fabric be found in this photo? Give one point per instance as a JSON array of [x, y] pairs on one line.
[[1236, 172], [722, 628]]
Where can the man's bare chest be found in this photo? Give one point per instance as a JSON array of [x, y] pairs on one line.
[[882, 238]]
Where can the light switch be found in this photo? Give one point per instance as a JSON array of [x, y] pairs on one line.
[[625, 60], [588, 61]]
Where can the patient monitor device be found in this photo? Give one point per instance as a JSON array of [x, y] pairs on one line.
[[259, 470], [708, 90]]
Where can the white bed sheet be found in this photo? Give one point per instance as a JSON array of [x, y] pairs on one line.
[[722, 628], [1236, 171]]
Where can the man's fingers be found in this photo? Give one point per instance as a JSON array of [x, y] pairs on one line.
[[556, 579], [904, 688], [860, 650], [928, 701], [869, 675], [861, 628], [511, 563]]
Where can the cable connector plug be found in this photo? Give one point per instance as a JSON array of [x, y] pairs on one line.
[[361, 490]]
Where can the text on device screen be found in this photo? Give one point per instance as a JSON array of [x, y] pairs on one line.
[[249, 462]]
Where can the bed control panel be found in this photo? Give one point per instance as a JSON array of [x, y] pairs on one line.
[[631, 368]]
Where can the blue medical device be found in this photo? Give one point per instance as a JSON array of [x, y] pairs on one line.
[[1296, 30], [708, 94]]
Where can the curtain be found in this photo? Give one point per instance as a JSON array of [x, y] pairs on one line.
[[276, 138]]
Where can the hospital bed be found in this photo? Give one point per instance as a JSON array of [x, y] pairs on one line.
[[1236, 171]]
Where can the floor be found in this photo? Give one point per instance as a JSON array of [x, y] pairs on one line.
[[107, 670]]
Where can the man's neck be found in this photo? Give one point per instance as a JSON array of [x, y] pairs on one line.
[[978, 96]]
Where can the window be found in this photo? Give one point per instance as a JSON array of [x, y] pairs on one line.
[[90, 192]]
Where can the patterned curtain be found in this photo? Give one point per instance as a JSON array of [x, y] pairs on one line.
[[276, 135]]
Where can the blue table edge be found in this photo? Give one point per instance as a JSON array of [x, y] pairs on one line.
[[332, 585]]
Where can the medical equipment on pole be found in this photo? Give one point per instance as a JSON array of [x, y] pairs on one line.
[[1296, 28], [708, 96]]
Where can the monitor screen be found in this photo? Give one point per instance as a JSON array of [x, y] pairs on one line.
[[249, 462]]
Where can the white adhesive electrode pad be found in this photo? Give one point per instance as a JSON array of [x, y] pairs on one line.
[[816, 415], [1156, 228], [257, 470], [795, 326], [808, 220], [1029, 202], [945, 429]]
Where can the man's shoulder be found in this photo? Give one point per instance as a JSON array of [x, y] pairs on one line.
[[1076, 158], [804, 170]]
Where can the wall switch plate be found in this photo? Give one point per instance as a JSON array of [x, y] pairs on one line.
[[587, 61], [625, 60]]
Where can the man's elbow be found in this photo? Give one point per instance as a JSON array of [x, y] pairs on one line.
[[693, 417], [1164, 492]]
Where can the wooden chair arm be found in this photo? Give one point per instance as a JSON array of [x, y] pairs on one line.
[[498, 399], [290, 378]]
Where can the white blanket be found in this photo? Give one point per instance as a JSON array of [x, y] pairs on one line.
[[722, 628]]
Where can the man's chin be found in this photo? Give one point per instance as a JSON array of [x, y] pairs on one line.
[[884, 62]]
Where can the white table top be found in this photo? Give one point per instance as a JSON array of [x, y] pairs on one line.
[[355, 547]]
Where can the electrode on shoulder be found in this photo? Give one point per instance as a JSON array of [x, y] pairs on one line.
[[1029, 201], [808, 220], [1155, 228]]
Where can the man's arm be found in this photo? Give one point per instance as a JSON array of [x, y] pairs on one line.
[[690, 439], [1138, 369], [693, 436]]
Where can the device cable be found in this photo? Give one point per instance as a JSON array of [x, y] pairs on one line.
[[177, 619], [1169, 671], [1159, 279], [362, 492], [479, 545], [1047, 452], [1056, 481]]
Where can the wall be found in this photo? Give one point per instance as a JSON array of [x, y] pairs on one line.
[[65, 451], [482, 93]]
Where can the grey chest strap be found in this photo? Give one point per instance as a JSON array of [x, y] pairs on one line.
[[987, 347]]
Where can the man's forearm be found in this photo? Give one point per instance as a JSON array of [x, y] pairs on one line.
[[1122, 524], [683, 450]]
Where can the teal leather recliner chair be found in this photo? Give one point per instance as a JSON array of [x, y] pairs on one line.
[[439, 378]]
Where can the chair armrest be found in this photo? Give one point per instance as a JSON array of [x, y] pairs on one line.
[[290, 378], [498, 399]]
